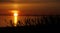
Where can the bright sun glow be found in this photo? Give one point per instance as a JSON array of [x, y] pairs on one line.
[[15, 13], [15, 19]]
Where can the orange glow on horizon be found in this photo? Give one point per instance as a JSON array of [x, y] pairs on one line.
[[16, 6]]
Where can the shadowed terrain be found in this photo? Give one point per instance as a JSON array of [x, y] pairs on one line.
[[44, 23]]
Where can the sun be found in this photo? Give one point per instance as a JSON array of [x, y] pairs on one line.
[[15, 14]]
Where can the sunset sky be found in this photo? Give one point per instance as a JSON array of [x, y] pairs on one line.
[[14, 9], [30, 7]]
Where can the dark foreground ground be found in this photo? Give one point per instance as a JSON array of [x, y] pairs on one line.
[[37, 28], [53, 26]]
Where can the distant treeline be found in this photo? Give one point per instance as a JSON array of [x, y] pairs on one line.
[[38, 21]]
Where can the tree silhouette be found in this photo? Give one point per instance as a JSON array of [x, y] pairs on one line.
[[18, 23], [11, 23]]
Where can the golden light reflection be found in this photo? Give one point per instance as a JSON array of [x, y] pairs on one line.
[[15, 13], [15, 19]]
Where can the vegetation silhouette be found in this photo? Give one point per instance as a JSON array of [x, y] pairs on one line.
[[44, 20]]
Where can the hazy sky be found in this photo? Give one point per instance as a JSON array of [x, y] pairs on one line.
[[44, 6]]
